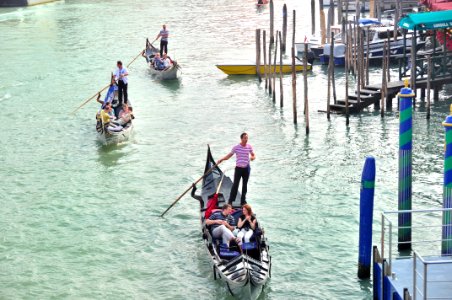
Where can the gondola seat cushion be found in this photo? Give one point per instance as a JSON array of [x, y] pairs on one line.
[[226, 252], [249, 246]]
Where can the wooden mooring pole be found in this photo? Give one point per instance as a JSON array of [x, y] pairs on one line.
[[294, 74], [313, 17], [281, 92], [272, 17], [305, 82], [322, 23], [347, 73], [284, 29], [264, 48], [372, 8], [383, 81], [330, 70], [274, 68], [258, 54], [359, 64], [367, 58], [429, 80], [270, 88]]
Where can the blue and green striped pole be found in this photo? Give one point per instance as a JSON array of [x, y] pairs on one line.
[[405, 165], [366, 208], [446, 245]]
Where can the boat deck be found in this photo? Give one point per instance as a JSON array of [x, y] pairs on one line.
[[438, 281]]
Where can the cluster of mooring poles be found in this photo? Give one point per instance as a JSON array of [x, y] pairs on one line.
[[270, 66], [406, 96], [357, 57]]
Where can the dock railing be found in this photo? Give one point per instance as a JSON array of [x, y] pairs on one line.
[[426, 243], [424, 277], [441, 66]]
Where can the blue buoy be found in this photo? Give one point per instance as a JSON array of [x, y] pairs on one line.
[[366, 207]]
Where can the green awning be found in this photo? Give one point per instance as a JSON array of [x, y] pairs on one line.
[[428, 20]]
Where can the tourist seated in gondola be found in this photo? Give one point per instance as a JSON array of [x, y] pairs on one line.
[[158, 62], [167, 62], [246, 224], [125, 115], [222, 224], [107, 118]]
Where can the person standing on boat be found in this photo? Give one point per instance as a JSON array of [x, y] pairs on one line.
[[243, 152], [222, 224], [121, 74], [163, 35]]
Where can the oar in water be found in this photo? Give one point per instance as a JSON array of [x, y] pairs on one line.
[[103, 89], [189, 188]]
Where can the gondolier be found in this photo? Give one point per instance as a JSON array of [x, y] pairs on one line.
[[163, 35], [245, 272], [121, 74], [244, 152]]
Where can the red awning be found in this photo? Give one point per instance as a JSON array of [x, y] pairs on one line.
[[436, 5]]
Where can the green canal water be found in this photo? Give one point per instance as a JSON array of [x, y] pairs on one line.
[[78, 220]]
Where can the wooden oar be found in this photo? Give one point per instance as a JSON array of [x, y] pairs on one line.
[[189, 188], [141, 52], [219, 185], [92, 97]]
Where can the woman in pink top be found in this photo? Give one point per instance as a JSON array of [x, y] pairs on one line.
[[243, 153]]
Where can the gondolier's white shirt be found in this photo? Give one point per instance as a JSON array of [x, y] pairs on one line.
[[119, 72]]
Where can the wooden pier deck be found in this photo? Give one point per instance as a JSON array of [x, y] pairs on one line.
[[371, 94]]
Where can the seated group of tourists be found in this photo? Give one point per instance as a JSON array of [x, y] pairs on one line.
[[222, 225], [114, 119], [161, 62]]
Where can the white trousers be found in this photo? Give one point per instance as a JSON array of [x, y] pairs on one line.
[[245, 235], [223, 232]]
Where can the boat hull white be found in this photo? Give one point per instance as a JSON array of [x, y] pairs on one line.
[[114, 138], [169, 74]]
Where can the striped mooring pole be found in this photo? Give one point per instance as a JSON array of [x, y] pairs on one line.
[[405, 165], [446, 245], [366, 207]]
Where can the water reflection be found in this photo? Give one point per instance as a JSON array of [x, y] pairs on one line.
[[110, 155]]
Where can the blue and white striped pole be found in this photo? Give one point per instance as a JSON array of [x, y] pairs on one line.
[[446, 245], [366, 207], [405, 165]]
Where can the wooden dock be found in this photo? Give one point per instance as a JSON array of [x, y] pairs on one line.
[[371, 94]]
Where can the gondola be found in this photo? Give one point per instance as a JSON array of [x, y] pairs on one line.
[[110, 137], [166, 74], [245, 272]]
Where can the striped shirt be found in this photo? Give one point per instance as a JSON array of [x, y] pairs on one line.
[[219, 216], [164, 34], [242, 155]]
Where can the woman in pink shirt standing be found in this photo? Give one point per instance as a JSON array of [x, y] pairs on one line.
[[243, 153]]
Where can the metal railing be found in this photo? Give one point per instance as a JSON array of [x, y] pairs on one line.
[[421, 291], [441, 66], [426, 225]]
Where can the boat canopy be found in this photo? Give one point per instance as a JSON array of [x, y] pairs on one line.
[[427, 20]]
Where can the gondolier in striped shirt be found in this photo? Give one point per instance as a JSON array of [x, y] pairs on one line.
[[244, 153], [163, 35]]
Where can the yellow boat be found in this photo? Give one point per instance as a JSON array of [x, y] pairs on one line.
[[250, 69]]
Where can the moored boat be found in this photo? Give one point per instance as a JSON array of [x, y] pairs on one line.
[[110, 134], [250, 69], [244, 272], [170, 72]]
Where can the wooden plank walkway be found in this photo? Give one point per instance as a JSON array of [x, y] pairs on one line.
[[371, 94]]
